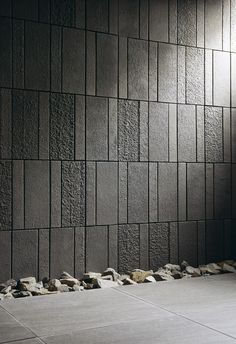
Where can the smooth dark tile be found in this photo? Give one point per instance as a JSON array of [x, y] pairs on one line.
[[5, 124], [25, 9], [5, 255], [97, 15], [18, 194], [18, 54], [167, 185], [56, 58], [129, 18], [222, 190], [214, 241], [188, 242], [5, 195], [96, 248], [196, 191], [62, 12], [213, 31], [158, 20], [6, 55]]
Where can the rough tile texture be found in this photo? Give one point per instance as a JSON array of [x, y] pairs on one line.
[[117, 134]]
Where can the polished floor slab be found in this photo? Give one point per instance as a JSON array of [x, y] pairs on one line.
[[200, 310]]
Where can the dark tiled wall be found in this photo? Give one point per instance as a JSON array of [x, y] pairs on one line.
[[118, 134]]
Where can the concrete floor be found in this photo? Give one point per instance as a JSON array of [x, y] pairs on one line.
[[199, 310]]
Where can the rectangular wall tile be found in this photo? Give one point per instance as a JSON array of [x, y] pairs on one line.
[[43, 254], [227, 134], [91, 193], [187, 22], [18, 194], [123, 192], [222, 190], [128, 243], [213, 134], [153, 71], [128, 130], [5, 255], [228, 239], [186, 133], [200, 23], [123, 60], [62, 12], [167, 73], [18, 54], [5, 195], [233, 133], [182, 191], [173, 21], [62, 125], [201, 235], [144, 131], [158, 245], [55, 194], [73, 57], [167, 185], [56, 60], [106, 193], [6, 47], [36, 194], [233, 80], [26, 9], [200, 134], [80, 127], [129, 18], [96, 128], [233, 25], [214, 241], [113, 246], [195, 75], [137, 192], [172, 132], [174, 244], [44, 11], [80, 8], [209, 191], [44, 119], [144, 246], [153, 192], [213, 31], [25, 253], [181, 70], [208, 77], [37, 56], [226, 24], [188, 242], [221, 78], [5, 124], [97, 15], [73, 193], [158, 24], [61, 251], [96, 248], [233, 172], [90, 63], [79, 251], [113, 119], [6, 8], [107, 65], [196, 191], [144, 8], [113, 16], [158, 132], [137, 69]]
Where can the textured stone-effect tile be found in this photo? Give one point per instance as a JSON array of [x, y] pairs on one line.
[[209, 191], [129, 241], [25, 253], [214, 241], [158, 132], [62, 12], [167, 73], [226, 24], [152, 71], [18, 53], [113, 16], [96, 128], [182, 191], [153, 192], [158, 25], [62, 126], [18, 194], [73, 57], [233, 133], [173, 19], [221, 90], [201, 242], [222, 190], [196, 191], [158, 245], [174, 244], [200, 134], [123, 196], [44, 119], [5, 255], [167, 191], [144, 8], [106, 193], [37, 56], [137, 192], [113, 141], [5, 124], [6, 46], [213, 31], [227, 134], [73, 193], [61, 251], [144, 246], [55, 193], [43, 253], [80, 127], [200, 23], [128, 130], [90, 63], [208, 77], [233, 25], [96, 248], [25, 124], [213, 134], [186, 133], [56, 61], [137, 69], [113, 246], [123, 60], [188, 242], [107, 65], [79, 251], [36, 194], [129, 18], [172, 132], [187, 22], [26, 9], [181, 74], [91, 193], [97, 15], [5, 195], [195, 75]]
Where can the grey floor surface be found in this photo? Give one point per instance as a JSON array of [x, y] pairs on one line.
[[198, 310]]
